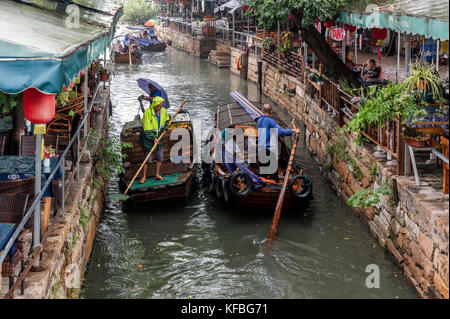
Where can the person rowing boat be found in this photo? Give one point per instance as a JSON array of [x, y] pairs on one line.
[[154, 122], [267, 149]]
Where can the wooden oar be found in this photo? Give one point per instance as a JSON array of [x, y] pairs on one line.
[[129, 53], [124, 196], [276, 217], [168, 46]]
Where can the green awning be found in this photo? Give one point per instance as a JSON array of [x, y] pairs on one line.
[[424, 17], [41, 47]]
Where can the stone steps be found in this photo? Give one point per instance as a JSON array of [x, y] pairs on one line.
[[219, 58]]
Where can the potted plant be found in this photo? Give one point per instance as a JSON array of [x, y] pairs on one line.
[[104, 74], [267, 43], [379, 105], [356, 104], [283, 51], [48, 153], [63, 97], [424, 83], [413, 137], [279, 70]]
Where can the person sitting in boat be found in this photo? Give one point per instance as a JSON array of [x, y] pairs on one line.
[[267, 144], [128, 41], [154, 122]]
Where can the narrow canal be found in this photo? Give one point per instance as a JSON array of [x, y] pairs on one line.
[[201, 249]]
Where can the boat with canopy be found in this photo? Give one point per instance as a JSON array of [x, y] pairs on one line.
[[238, 182]]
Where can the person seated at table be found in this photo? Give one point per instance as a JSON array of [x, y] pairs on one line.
[[370, 70], [350, 60], [350, 63]]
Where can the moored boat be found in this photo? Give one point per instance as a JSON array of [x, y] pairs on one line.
[[125, 58], [154, 46], [238, 182]]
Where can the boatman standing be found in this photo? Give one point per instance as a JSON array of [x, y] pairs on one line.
[[154, 122], [268, 144]]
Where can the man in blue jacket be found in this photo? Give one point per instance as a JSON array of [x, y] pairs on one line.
[[268, 143]]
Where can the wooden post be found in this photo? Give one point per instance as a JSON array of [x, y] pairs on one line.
[[47, 205], [232, 36], [397, 68], [337, 104], [278, 41], [437, 55], [18, 125], [320, 87], [400, 148]]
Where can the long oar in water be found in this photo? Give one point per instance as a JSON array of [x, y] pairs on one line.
[[124, 196], [168, 46], [276, 217]]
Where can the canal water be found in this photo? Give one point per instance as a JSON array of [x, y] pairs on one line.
[[199, 248]]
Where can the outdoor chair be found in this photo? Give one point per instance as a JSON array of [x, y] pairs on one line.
[[28, 143], [445, 166], [13, 208]]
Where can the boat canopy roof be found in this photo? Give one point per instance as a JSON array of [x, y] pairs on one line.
[[44, 45], [137, 28], [232, 114]]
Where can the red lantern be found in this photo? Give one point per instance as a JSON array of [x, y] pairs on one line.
[[379, 34], [350, 28], [38, 108], [328, 24]]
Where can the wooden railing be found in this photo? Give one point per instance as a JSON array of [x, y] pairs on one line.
[[291, 64]]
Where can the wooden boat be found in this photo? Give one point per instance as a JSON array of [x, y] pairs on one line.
[[154, 46], [244, 188], [124, 58], [178, 175]]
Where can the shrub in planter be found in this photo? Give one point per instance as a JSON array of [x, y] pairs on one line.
[[378, 105]]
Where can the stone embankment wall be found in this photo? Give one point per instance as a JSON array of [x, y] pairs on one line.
[[198, 46], [415, 231], [69, 244]]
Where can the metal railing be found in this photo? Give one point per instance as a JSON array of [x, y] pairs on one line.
[[59, 165]]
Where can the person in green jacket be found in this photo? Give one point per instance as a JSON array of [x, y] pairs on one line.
[[154, 122]]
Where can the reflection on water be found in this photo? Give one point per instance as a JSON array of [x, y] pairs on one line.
[[201, 249]]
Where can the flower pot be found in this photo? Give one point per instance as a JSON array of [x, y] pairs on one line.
[[46, 162], [415, 142], [104, 77]]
